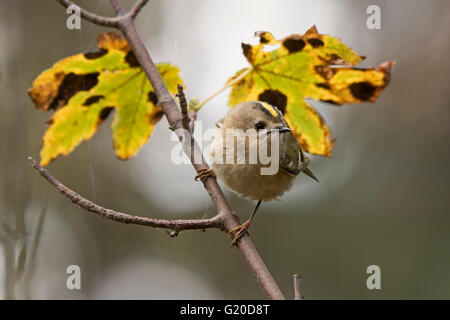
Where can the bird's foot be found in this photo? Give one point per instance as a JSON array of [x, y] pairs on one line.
[[240, 231], [204, 173]]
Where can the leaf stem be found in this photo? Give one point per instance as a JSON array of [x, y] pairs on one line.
[[229, 84]]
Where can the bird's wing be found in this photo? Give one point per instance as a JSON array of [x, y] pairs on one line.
[[291, 155]]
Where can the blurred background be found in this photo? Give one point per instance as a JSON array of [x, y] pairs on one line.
[[383, 198]]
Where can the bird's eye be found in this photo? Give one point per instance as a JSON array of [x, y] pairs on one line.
[[260, 125]]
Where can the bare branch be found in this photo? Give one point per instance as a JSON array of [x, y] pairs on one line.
[[184, 107], [107, 21], [297, 291], [175, 225], [118, 8], [92, 17], [134, 11]]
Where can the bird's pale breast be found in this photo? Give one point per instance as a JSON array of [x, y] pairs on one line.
[[246, 179]]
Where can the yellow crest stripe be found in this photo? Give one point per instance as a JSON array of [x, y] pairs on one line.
[[269, 108]]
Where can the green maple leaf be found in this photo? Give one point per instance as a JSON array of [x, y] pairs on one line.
[[83, 89], [313, 66]]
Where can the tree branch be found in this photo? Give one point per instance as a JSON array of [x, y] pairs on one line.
[[297, 290], [118, 8], [174, 117], [184, 108], [92, 17], [107, 21], [175, 225], [134, 11]]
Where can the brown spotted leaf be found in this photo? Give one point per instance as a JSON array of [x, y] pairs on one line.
[[83, 90], [312, 65]]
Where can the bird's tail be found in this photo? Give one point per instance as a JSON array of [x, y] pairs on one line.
[[309, 173]]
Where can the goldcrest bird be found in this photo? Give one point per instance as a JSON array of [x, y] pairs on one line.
[[232, 146]]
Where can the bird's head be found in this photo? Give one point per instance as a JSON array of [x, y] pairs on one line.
[[255, 115]]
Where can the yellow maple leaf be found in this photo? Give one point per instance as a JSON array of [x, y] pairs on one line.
[[83, 90], [312, 65]]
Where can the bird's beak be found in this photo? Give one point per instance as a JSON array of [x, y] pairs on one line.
[[282, 129], [310, 174]]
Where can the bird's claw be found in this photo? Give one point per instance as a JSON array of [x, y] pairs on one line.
[[204, 173], [241, 230]]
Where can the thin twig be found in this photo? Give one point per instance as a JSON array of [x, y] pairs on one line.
[[175, 225], [92, 17], [297, 290], [229, 84], [107, 21], [184, 107], [118, 8], [136, 8]]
